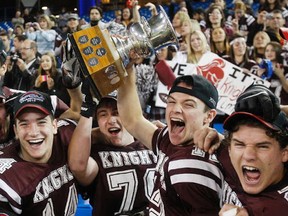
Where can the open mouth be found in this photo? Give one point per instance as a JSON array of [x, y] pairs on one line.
[[251, 174], [114, 130], [36, 141], [177, 125]]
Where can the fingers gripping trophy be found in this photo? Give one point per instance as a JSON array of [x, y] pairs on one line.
[[103, 54]]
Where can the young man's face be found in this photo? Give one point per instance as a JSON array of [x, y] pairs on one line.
[[5, 41], [95, 15], [110, 124], [35, 131], [257, 158], [184, 115]]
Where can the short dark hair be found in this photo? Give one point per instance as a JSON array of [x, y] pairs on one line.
[[21, 37], [280, 137], [97, 8]]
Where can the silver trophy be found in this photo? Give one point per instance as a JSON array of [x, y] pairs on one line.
[[146, 37], [103, 54]]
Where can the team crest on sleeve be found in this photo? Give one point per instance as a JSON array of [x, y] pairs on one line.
[[5, 164]]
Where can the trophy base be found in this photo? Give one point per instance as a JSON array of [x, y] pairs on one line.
[[99, 60]]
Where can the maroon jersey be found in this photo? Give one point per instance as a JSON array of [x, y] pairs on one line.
[[272, 201], [188, 181], [39, 189], [125, 179]]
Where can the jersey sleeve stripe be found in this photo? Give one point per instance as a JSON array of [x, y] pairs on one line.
[[197, 179], [12, 194], [197, 164]]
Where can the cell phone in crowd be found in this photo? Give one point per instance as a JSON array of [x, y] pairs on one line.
[[43, 78]]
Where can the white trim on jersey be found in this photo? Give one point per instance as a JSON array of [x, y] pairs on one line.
[[196, 178], [12, 194]]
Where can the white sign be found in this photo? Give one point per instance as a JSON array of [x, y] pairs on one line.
[[228, 78], [179, 69]]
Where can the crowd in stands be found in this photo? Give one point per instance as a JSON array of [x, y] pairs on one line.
[[36, 50], [221, 28]]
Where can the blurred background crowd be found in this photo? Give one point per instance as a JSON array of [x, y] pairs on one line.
[[244, 32]]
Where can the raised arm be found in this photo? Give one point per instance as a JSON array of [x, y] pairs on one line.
[[83, 167], [131, 113]]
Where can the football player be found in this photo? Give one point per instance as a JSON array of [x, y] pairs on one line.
[[35, 176], [254, 155], [118, 173], [188, 181]]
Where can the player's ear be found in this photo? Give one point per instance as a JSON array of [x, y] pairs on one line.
[[210, 116], [285, 154]]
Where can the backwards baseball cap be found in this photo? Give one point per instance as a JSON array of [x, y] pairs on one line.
[[202, 89], [33, 99], [280, 123]]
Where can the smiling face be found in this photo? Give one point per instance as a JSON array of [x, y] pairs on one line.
[[239, 46], [270, 52], [46, 62], [257, 158], [35, 131], [218, 35], [215, 16], [260, 40], [184, 115], [197, 43]]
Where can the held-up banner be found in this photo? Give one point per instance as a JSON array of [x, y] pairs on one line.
[[228, 78]]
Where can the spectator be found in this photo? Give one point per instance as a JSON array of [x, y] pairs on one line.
[[49, 79], [242, 23], [198, 47], [28, 18], [17, 45], [22, 71], [239, 55], [223, 6], [19, 30], [3, 69], [188, 26], [95, 171], [279, 76], [261, 24], [6, 41], [127, 16], [176, 190], [260, 41], [44, 35], [177, 22], [219, 42], [215, 18], [271, 5], [274, 25], [72, 24], [95, 15], [17, 20]]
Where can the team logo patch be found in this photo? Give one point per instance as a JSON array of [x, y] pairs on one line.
[[5, 164]]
